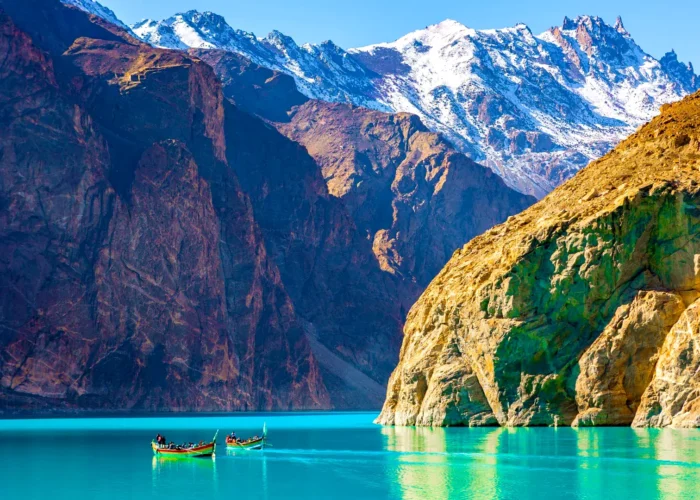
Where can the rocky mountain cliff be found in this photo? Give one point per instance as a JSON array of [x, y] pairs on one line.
[[412, 196], [534, 108], [165, 246], [134, 274], [160, 248], [582, 310]]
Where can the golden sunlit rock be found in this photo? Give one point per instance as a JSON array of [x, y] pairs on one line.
[[562, 312]]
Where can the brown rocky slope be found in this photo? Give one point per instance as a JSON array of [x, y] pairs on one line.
[[407, 190], [162, 250], [582, 310], [132, 270]]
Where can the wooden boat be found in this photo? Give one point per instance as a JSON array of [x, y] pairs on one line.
[[254, 443], [202, 450]]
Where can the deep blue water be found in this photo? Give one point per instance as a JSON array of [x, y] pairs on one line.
[[343, 455]]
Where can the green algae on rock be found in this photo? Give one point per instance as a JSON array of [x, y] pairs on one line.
[[582, 310]]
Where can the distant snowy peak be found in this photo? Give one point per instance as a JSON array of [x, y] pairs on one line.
[[193, 29], [97, 9], [322, 71], [534, 108]]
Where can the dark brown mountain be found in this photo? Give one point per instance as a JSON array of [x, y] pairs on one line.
[[406, 188], [134, 274], [163, 247]]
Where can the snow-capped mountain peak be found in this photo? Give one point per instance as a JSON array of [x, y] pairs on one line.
[[534, 108], [324, 71], [97, 9]]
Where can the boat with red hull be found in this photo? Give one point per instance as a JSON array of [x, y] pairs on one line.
[[197, 451]]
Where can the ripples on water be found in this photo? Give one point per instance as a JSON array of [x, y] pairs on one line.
[[343, 455]]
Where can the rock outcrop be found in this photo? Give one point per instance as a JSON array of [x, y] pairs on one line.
[[581, 310], [407, 190], [135, 271]]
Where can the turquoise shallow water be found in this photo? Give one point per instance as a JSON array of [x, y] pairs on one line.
[[343, 455]]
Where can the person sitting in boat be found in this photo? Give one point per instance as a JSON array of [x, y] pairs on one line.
[[232, 437]]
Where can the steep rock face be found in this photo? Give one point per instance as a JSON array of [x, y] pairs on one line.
[[673, 397], [134, 274], [414, 196], [408, 192], [619, 365], [326, 263], [582, 309], [348, 304]]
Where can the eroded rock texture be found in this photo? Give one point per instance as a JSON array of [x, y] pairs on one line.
[[132, 269], [580, 310], [673, 397], [407, 190]]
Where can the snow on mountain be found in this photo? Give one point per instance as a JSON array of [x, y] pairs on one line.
[[534, 108], [323, 71], [99, 10]]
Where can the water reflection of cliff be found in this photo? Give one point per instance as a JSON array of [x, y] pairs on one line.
[[442, 463], [654, 463], [677, 455]]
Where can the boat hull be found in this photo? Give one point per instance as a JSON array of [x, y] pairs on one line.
[[257, 444], [205, 450]]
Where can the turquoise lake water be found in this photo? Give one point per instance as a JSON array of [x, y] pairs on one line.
[[343, 455]]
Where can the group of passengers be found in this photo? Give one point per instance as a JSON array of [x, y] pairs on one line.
[[160, 441]]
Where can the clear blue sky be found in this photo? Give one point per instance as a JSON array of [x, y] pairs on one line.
[[658, 26]]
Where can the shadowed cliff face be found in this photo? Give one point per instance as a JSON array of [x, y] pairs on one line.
[[388, 206], [408, 192], [406, 188], [133, 272], [581, 310], [347, 303]]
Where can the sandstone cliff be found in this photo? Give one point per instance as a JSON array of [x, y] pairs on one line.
[[582, 310]]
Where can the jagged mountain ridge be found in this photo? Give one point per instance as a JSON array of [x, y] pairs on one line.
[[97, 9], [534, 108], [323, 71]]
